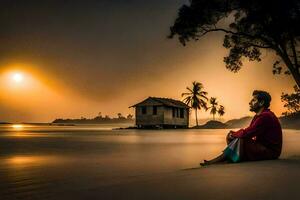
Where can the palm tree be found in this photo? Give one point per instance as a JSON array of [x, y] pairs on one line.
[[196, 97], [213, 108], [221, 110]]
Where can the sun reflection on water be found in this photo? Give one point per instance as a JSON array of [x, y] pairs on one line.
[[17, 126], [19, 160], [24, 160]]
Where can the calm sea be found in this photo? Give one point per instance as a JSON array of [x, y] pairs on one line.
[[45, 162]]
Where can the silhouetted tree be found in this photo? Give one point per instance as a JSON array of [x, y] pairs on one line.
[[213, 108], [196, 97], [129, 116], [221, 110], [254, 25], [291, 101], [120, 115]]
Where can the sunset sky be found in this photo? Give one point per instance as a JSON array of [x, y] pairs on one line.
[[67, 59]]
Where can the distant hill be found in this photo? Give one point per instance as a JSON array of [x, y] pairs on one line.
[[290, 122], [234, 123], [212, 125], [287, 122], [239, 123], [5, 123]]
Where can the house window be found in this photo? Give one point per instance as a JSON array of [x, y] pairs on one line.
[[173, 112], [144, 110], [176, 112], [181, 113], [154, 110]]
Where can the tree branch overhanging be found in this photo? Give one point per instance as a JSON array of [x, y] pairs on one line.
[[256, 25]]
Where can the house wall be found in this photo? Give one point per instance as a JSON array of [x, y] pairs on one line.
[[149, 118], [170, 120], [164, 116]]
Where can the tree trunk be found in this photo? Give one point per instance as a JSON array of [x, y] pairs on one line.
[[295, 72], [296, 76], [196, 117], [293, 69]]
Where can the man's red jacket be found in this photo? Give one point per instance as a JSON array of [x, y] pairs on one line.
[[265, 128]]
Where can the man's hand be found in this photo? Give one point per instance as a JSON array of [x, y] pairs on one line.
[[230, 134]]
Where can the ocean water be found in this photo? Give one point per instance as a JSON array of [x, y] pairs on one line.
[[48, 162]]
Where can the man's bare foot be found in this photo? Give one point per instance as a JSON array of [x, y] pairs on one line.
[[204, 163]]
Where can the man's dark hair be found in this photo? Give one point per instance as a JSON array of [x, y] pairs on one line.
[[263, 96]]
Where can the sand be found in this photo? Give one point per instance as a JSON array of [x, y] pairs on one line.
[[256, 180]]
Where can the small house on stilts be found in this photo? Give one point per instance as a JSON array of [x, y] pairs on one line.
[[156, 112]]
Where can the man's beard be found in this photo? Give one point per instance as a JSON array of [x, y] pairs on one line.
[[255, 108]]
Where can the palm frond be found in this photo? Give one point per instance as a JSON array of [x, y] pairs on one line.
[[185, 94], [189, 89]]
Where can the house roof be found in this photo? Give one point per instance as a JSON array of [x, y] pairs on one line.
[[162, 101]]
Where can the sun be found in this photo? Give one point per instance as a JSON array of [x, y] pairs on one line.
[[17, 77]]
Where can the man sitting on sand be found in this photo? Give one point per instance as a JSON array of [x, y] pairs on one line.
[[262, 140]]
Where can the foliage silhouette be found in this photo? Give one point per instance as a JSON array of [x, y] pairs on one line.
[[291, 101], [256, 25]]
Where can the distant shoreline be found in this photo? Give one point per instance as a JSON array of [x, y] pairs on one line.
[[94, 121], [287, 122], [56, 124]]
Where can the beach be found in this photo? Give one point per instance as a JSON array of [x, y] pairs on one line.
[[95, 162]]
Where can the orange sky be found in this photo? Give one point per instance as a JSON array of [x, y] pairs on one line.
[[105, 63]]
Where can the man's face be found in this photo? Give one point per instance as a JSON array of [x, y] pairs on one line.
[[255, 105]]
